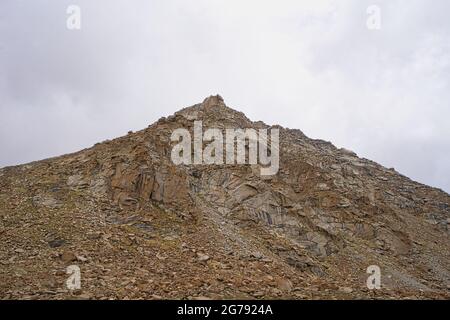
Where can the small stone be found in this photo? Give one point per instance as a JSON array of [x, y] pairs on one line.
[[68, 257], [94, 236], [257, 255], [82, 258], [336, 167], [202, 257], [276, 291], [161, 256], [300, 295], [258, 294], [77, 292], [323, 187], [346, 289], [284, 284], [19, 250], [56, 243]]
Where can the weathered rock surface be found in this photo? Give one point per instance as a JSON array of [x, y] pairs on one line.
[[139, 226]]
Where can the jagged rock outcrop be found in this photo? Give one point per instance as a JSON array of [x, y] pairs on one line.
[[141, 227]]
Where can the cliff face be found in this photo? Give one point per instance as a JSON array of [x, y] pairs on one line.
[[139, 226]]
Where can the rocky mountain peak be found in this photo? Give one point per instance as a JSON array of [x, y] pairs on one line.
[[140, 226], [213, 100], [215, 113]]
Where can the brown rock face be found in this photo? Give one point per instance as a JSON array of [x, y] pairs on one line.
[[212, 101], [143, 227]]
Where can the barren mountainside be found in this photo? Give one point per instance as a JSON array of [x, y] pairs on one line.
[[139, 226]]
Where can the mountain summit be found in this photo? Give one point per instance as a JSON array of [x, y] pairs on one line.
[[136, 225]]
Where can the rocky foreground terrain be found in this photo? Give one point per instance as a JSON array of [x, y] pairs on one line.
[[139, 226]]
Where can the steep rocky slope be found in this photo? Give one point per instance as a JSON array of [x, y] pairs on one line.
[[139, 226]]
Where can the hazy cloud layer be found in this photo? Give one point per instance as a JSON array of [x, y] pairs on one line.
[[312, 65]]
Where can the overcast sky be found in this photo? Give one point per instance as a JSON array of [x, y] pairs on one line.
[[311, 65]]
